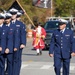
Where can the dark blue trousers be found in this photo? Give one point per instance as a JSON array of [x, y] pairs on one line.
[[9, 61], [17, 62], [2, 64], [20, 61], [64, 63]]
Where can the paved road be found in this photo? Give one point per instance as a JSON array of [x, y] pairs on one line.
[[41, 68], [39, 65]]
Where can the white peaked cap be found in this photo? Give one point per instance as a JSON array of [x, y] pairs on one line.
[[63, 20], [18, 13], [8, 14], [13, 10], [2, 15]]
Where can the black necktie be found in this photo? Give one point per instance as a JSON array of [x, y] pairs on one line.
[[13, 22], [61, 33]]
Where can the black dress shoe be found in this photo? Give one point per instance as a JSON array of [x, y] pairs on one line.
[[40, 52]]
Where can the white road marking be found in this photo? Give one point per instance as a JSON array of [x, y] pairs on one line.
[[42, 65], [23, 66], [72, 67], [46, 66]]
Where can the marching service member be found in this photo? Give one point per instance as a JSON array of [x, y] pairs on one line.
[[3, 36], [62, 48], [10, 42], [21, 34]]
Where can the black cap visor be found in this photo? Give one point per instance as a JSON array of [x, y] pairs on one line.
[[13, 13], [18, 16], [62, 23], [8, 17], [1, 17]]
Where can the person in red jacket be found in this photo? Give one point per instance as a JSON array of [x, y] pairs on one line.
[[38, 35]]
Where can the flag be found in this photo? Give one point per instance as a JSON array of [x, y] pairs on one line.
[[16, 6], [42, 3]]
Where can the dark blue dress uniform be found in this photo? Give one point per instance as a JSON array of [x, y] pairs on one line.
[[62, 45], [3, 37], [21, 34], [22, 41], [10, 45]]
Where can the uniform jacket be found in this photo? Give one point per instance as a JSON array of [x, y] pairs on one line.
[[21, 33], [62, 44], [11, 38], [3, 37], [37, 38]]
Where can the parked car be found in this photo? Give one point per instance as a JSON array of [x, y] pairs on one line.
[[50, 26]]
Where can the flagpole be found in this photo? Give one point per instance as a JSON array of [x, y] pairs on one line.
[[26, 13], [51, 8]]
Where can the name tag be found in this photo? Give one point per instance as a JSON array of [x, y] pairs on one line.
[[18, 25], [67, 35]]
